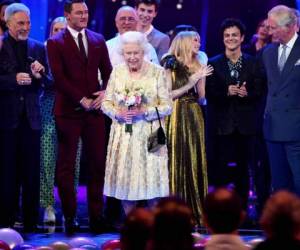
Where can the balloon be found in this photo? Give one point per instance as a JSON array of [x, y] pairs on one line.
[[111, 245], [254, 242], [44, 248], [23, 246], [60, 245], [79, 241], [89, 247], [4, 246], [10, 237]]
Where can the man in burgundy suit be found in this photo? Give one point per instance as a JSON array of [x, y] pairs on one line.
[[76, 55]]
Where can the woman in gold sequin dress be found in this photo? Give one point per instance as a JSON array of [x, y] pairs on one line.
[[185, 126], [132, 173]]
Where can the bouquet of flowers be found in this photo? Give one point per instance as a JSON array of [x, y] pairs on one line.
[[130, 98]]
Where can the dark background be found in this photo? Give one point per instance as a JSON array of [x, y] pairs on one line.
[[205, 15]]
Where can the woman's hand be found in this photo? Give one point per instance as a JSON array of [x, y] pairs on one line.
[[201, 73], [127, 115]]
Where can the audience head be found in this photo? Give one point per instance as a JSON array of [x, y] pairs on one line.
[[137, 229], [76, 13], [233, 32], [282, 22], [281, 216], [223, 211], [17, 18], [173, 225], [146, 11], [57, 25], [185, 46], [126, 19], [133, 46]]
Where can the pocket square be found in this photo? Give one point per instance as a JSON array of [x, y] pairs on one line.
[[297, 63]]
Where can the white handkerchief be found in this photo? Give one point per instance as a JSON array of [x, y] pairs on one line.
[[297, 63]]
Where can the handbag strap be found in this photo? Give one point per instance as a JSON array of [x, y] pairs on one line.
[[158, 116]]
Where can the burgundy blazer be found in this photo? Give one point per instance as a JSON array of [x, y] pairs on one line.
[[73, 77]]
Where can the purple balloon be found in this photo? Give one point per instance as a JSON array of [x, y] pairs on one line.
[[23, 246], [11, 237], [89, 247], [80, 241]]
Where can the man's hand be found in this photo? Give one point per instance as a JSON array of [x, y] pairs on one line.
[[242, 92], [86, 103], [23, 79], [36, 67], [233, 89], [96, 104]]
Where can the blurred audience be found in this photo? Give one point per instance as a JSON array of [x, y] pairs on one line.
[[173, 225], [281, 222], [137, 229], [223, 214]]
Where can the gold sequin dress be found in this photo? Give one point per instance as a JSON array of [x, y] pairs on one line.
[[186, 143], [132, 173]]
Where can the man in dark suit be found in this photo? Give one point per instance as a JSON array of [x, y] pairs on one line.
[[75, 56], [147, 11], [282, 113], [232, 91], [22, 68]]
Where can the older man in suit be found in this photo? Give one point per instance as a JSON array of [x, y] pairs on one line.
[[23, 68], [147, 11], [282, 113], [75, 56]]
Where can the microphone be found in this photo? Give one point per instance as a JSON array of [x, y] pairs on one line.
[[32, 60], [235, 75]]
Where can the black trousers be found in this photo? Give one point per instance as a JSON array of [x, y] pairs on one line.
[[19, 173], [234, 155]]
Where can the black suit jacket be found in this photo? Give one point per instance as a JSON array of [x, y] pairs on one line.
[[14, 99], [227, 113]]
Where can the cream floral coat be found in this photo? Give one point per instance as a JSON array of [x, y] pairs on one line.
[[132, 173]]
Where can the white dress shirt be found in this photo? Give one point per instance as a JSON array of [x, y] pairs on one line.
[[75, 33], [289, 47]]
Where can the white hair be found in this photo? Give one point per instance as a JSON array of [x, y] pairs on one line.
[[13, 9], [283, 15], [135, 37]]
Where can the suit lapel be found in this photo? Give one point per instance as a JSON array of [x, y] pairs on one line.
[[10, 52], [72, 44], [293, 57], [90, 43]]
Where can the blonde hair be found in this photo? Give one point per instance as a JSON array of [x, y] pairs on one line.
[[60, 19], [181, 48]]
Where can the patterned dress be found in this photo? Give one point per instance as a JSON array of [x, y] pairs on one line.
[[49, 150], [132, 173], [186, 144]]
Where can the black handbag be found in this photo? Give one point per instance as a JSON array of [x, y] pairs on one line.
[[156, 139]]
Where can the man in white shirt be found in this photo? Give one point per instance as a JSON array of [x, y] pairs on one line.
[[126, 20], [147, 11]]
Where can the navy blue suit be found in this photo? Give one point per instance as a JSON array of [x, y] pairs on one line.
[[19, 133], [282, 117]]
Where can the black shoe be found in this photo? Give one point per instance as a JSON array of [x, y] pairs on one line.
[[71, 226]]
